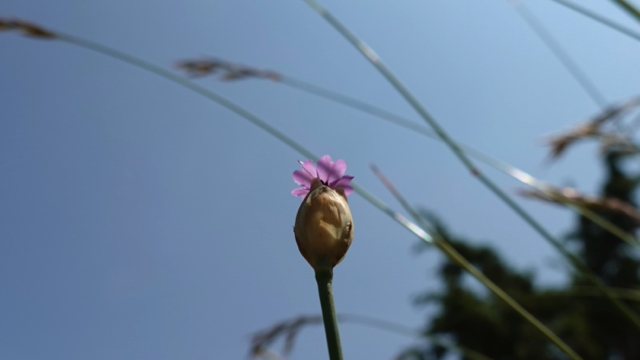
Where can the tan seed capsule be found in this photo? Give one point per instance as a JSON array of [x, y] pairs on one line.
[[324, 227]]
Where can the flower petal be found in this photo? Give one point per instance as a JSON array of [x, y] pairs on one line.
[[309, 168], [302, 178], [300, 192], [337, 170], [324, 168], [348, 189], [344, 181]]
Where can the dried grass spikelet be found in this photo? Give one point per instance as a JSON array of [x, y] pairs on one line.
[[561, 142], [7, 24], [324, 227], [27, 28], [592, 128], [287, 330], [33, 30], [197, 68], [616, 143], [230, 71], [567, 195]]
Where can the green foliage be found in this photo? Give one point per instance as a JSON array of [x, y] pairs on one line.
[[576, 312]]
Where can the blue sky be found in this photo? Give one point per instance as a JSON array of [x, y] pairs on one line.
[[142, 221]]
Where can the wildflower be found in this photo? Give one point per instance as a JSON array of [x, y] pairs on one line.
[[323, 227], [329, 173]]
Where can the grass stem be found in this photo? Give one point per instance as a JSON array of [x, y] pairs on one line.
[[628, 7], [597, 17], [572, 67]]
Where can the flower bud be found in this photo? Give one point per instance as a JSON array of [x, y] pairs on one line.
[[324, 227]]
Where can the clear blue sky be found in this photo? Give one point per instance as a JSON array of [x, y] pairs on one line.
[[139, 220]]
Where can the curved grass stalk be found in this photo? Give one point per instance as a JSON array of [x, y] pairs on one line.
[[628, 7], [587, 85], [355, 104], [499, 165], [416, 230], [577, 264], [594, 16], [457, 258]]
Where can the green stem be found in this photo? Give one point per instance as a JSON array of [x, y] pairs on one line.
[[554, 46], [597, 17], [629, 8], [325, 290]]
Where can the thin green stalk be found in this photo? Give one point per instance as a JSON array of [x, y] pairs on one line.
[[355, 104], [587, 85], [324, 278], [629, 8], [375, 60], [457, 258], [476, 154], [610, 23], [605, 224]]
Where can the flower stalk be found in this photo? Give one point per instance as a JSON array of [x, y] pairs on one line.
[[324, 277]]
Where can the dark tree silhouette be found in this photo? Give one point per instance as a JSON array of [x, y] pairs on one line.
[[577, 312]]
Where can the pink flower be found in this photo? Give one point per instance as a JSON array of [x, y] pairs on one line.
[[328, 172]]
